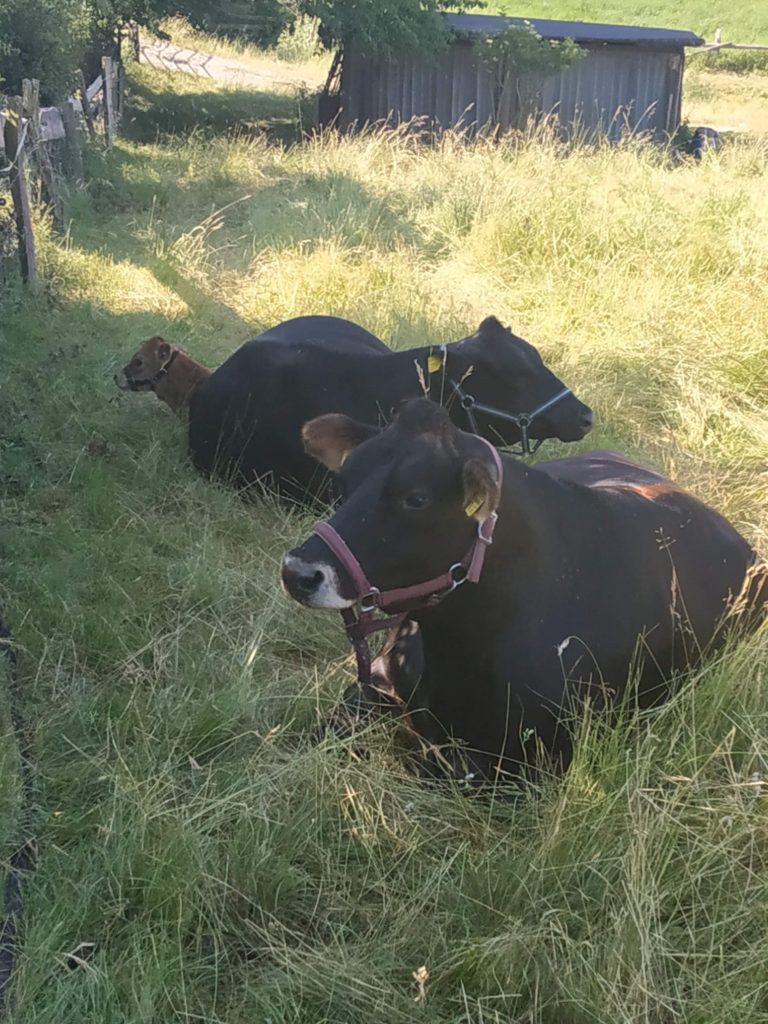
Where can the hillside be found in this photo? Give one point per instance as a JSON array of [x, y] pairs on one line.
[[742, 22]]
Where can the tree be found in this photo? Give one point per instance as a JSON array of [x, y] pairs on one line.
[[385, 27]]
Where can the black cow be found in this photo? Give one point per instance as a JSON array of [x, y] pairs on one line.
[[246, 418], [599, 569]]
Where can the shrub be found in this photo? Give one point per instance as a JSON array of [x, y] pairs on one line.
[[301, 41]]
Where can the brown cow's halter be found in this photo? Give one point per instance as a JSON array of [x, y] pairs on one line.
[[151, 382], [522, 420], [360, 621]]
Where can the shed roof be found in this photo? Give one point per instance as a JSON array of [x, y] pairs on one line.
[[579, 31]]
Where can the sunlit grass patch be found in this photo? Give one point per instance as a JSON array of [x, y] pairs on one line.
[[200, 857]]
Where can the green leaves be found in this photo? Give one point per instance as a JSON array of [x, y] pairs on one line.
[[519, 49]]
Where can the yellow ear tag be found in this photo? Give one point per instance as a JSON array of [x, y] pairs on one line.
[[434, 363], [473, 507]]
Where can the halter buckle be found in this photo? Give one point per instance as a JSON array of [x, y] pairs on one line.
[[367, 602]]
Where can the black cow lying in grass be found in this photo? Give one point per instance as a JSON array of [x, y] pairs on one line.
[[599, 569], [245, 418]]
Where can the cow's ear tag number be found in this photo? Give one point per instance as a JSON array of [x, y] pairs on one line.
[[473, 507]]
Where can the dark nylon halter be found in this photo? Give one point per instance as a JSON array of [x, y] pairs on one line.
[[151, 382], [522, 420], [360, 621]]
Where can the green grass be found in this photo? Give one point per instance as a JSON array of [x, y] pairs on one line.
[[219, 866], [742, 22]]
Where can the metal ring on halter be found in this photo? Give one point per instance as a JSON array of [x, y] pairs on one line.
[[494, 516], [467, 401], [367, 602], [457, 580]]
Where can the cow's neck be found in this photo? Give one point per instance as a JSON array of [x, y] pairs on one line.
[[184, 377], [533, 520]]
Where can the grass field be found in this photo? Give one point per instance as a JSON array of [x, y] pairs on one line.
[[742, 22], [199, 859]]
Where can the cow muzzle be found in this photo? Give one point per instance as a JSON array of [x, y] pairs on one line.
[[313, 584]]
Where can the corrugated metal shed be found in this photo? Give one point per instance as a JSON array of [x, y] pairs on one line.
[[630, 80]]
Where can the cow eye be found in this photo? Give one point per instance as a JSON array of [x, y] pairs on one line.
[[137, 362], [416, 500]]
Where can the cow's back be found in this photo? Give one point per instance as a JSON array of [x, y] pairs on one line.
[[673, 553], [246, 418]]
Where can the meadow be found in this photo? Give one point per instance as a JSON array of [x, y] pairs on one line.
[[742, 22], [199, 859]]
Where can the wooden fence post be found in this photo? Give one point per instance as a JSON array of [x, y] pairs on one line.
[[31, 107], [14, 150], [86, 106], [74, 162], [109, 113], [120, 93]]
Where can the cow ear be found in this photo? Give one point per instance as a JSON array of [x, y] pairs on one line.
[[481, 492], [331, 438], [163, 350], [495, 347]]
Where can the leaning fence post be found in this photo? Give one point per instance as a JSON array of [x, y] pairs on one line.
[[14, 150], [31, 106], [86, 106], [72, 141], [109, 113]]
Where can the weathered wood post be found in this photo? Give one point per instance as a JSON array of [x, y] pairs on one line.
[[31, 107], [120, 94], [107, 69], [74, 153], [86, 106], [14, 150]]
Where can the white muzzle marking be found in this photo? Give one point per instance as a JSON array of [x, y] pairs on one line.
[[327, 594]]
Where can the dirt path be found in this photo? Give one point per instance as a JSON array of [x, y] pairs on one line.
[[243, 72]]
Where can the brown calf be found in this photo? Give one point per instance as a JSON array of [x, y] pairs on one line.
[[168, 371]]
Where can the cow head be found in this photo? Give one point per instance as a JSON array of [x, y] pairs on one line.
[[413, 496], [502, 372], [146, 367]]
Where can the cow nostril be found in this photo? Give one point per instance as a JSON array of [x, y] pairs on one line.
[[587, 420], [308, 582]]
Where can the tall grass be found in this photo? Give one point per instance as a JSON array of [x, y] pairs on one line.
[[200, 859]]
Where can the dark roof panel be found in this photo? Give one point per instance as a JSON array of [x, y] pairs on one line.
[[580, 31]]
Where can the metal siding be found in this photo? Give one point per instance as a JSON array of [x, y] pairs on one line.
[[444, 89], [468, 93], [484, 93], [613, 88], [407, 91], [457, 84]]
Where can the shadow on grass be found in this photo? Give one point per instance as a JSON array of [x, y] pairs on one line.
[[156, 109]]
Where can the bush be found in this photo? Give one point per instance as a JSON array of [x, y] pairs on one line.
[[301, 41]]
